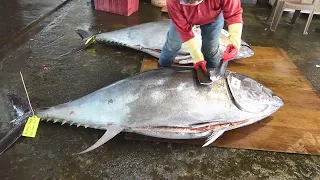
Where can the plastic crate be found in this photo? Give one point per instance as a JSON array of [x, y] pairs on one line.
[[121, 7]]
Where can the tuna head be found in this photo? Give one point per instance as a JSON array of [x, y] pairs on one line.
[[252, 97]]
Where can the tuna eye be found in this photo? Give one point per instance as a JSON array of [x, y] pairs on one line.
[[252, 89]]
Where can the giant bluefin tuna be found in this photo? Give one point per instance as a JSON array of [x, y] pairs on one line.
[[150, 37], [165, 103]]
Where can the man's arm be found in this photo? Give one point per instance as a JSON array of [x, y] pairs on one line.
[[232, 13], [184, 29], [188, 38]]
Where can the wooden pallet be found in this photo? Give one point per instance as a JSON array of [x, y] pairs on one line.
[[295, 128]]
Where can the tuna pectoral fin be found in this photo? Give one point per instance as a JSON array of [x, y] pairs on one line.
[[214, 136], [109, 134]]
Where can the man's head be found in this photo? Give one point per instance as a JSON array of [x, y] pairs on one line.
[[190, 2]]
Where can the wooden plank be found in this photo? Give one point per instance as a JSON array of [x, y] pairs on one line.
[[295, 128]]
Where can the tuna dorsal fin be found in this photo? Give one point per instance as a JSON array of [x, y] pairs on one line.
[[109, 134], [215, 135]]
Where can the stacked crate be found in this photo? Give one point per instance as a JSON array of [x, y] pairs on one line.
[[121, 7]]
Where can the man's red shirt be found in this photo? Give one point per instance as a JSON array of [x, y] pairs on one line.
[[183, 16]]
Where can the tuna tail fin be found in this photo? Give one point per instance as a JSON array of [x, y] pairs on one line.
[[20, 107], [86, 36], [22, 111], [109, 134]]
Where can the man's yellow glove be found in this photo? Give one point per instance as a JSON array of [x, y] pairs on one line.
[[232, 50], [194, 50], [199, 63], [235, 32]]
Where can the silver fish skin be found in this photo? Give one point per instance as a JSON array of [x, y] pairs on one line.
[[169, 103], [150, 38]]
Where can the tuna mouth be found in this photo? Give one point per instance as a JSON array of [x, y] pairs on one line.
[[245, 45], [277, 101], [192, 129]]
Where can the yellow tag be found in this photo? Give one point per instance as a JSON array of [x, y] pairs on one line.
[[31, 127], [89, 41]]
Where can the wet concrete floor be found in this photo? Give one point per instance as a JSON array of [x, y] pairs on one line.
[[52, 79], [16, 16]]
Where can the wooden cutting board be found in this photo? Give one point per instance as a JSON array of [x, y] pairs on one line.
[[295, 128]]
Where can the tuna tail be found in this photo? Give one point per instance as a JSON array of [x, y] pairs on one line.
[[86, 36], [22, 111]]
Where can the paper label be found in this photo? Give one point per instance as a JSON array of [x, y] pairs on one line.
[[236, 83], [31, 127]]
